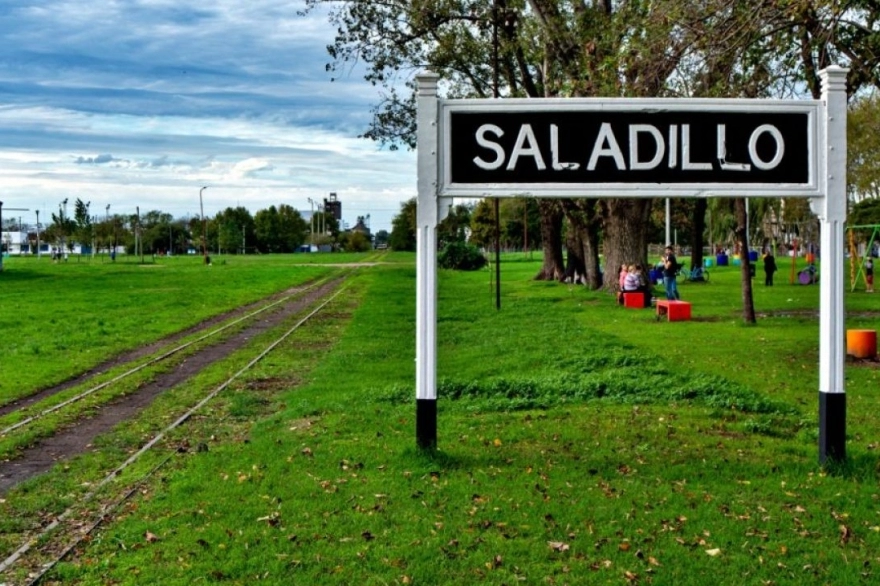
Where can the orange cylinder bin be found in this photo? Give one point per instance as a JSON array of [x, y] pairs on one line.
[[810, 258], [861, 343]]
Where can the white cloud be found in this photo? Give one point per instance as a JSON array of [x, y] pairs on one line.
[[142, 102]]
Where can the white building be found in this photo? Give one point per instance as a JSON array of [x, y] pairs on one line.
[[15, 242]]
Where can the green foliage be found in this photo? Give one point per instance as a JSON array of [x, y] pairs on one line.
[[483, 224], [634, 384], [280, 229], [234, 228], [863, 148], [403, 227], [455, 225], [382, 237], [461, 256], [520, 223], [354, 242], [865, 213]]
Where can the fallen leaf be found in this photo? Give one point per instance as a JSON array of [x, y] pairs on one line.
[[558, 545], [845, 534], [151, 537], [624, 546], [497, 443], [713, 552], [653, 561]]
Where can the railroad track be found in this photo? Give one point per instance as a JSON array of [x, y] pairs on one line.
[[300, 305]]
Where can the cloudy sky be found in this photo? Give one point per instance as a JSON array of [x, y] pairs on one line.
[[142, 102]]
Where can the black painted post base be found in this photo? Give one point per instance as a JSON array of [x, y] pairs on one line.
[[832, 427], [426, 423]]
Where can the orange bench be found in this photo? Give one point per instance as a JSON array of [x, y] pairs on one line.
[[674, 310]]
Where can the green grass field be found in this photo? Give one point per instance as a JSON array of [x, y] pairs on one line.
[[578, 443]]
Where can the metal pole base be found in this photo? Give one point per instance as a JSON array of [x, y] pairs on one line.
[[426, 423], [832, 427]]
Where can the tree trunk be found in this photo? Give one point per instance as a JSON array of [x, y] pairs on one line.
[[553, 268], [584, 220], [591, 257], [626, 236], [699, 223], [575, 268], [739, 206]]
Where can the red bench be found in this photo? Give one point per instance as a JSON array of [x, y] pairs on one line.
[[673, 310], [636, 299]]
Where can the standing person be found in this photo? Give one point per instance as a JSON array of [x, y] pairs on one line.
[[769, 268], [869, 274], [670, 266]]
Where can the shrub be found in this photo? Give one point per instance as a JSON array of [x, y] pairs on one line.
[[461, 256]]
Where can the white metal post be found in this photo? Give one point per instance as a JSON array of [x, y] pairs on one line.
[[668, 224], [426, 267], [831, 210]]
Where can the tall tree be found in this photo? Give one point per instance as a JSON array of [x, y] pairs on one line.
[[235, 229], [745, 265], [280, 229], [83, 232], [456, 225], [534, 48], [863, 148], [403, 227], [63, 227], [556, 48], [584, 223]]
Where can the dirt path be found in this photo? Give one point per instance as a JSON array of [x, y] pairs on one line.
[[134, 355], [77, 438]]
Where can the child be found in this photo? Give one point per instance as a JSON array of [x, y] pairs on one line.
[[621, 277], [869, 274]]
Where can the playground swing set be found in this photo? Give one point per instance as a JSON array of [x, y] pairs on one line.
[[807, 276], [856, 264]]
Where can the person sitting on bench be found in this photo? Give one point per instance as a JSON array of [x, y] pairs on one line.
[[635, 283]]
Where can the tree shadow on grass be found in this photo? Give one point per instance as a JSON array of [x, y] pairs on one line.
[[862, 467], [21, 275]]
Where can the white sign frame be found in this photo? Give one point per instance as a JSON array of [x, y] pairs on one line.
[[826, 190], [811, 108]]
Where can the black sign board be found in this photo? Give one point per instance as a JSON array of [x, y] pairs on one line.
[[626, 147]]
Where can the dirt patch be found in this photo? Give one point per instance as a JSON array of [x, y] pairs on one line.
[[272, 384], [77, 438]]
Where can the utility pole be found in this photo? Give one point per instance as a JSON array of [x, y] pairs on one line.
[[107, 222], [204, 225], [137, 235], [39, 249], [312, 226], [63, 220]]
